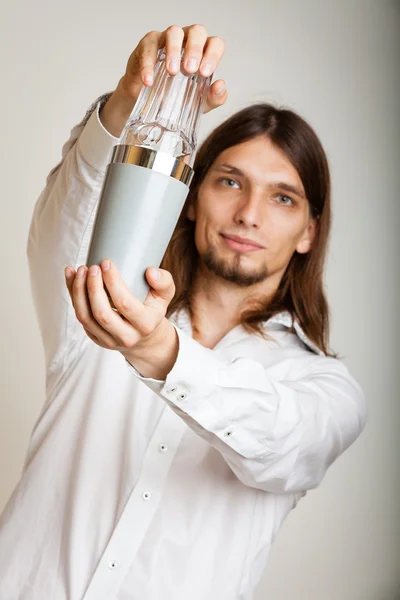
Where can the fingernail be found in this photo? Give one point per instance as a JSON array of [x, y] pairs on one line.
[[68, 272], [81, 271], [94, 269], [173, 65], [156, 274], [105, 265], [148, 79], [206, 70], [220, 90], [191, 64]]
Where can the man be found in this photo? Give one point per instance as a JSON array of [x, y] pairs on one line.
[[178, 434]]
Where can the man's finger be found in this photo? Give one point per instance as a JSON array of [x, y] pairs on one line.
[[70, 275], [112, 326], [142, 320], [213, 52], [196, 38], [81, 304], [174, 36], [162, 289], [145, 55]]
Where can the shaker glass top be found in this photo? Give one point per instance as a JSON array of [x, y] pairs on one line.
[[166, 116]]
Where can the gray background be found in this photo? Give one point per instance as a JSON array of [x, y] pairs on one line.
[[337, 64]]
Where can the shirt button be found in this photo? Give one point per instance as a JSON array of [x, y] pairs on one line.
[[172, 389], [182, 396], [146, 495], [163, 447], [112, 564]]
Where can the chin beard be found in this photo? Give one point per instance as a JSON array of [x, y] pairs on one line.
[[233, 271]]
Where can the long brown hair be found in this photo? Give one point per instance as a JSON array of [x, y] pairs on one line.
[[300, 291]]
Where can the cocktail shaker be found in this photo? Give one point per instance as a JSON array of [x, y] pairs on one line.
[[147, 181]]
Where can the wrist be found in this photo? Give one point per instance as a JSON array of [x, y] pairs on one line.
[[155, 356], [116, 111]]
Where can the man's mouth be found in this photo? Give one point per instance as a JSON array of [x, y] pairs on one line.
[[241, 244]]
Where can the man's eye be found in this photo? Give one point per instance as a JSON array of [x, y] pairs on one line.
[[228, 182], [285, 200]]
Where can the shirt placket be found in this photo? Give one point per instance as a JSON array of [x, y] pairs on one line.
[[139, 511]]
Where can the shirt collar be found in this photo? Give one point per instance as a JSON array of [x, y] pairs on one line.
[[182, 320], [285, 318]]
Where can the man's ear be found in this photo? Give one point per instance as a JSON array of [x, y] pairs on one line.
[[305, 243], [190, 213]]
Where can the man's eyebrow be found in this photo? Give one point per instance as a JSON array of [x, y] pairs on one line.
[[229, 169], [283, 185], [288, 187]]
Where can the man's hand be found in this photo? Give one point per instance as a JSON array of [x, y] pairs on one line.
[[138, 330], [202, 53]]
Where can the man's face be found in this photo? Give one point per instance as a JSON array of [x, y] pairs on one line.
[[251, 191]]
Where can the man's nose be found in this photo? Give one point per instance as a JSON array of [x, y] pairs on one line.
[[250, 209]]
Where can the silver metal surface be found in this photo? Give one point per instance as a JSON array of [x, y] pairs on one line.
[[150, 159]]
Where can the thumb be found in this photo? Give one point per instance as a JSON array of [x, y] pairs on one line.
[[162, 287], [217, 96]]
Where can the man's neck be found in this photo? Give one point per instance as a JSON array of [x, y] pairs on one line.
[[213, 315], [217, 306]]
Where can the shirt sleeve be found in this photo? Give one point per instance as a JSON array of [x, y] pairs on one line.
[[278, 428], [60, 233]]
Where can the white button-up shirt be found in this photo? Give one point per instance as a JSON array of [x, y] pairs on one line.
[[137, 489]]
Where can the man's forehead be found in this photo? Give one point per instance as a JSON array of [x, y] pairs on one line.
[[260, 152]]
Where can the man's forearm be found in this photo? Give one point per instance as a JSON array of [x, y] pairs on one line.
[[156, 356]]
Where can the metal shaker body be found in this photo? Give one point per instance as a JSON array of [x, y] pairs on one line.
[[142, 197]]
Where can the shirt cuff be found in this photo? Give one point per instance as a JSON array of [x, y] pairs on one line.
[[187, 366], [95, 143], [154, 384], [190, 366]]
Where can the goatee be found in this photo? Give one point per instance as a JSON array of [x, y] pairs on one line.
[[233, 271]]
